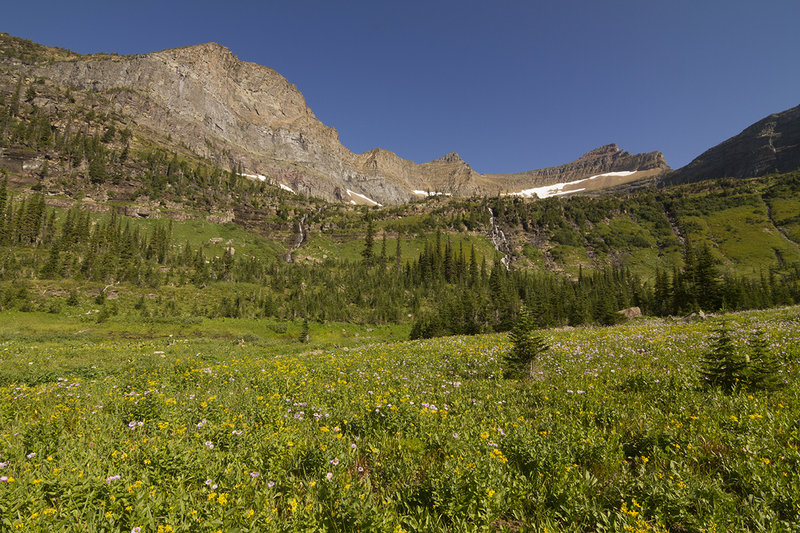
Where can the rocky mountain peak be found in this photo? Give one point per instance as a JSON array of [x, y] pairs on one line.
[[602, 151], [452, 157], [209, 56]]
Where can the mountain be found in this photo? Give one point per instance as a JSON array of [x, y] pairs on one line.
[[607, 166], [770, 145], [247, 116]]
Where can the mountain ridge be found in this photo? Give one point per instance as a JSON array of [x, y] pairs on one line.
[[238, 113], [770, 145]]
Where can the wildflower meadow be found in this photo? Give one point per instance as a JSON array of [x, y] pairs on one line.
[[614, 432]]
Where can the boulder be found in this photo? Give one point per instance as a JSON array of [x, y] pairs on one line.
[[631, 313]]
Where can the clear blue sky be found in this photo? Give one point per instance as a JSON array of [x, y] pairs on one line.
[[509, 85]]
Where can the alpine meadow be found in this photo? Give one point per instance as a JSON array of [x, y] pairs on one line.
[[214, 317]]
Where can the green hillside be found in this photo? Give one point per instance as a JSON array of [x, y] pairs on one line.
[[94, 207]]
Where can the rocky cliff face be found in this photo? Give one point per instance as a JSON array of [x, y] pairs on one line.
[[770, 145], [602, 160], [216, 104]]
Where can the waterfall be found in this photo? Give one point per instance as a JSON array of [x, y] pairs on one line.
[[499, 241]]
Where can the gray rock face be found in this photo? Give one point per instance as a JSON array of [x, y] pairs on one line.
[[608, 158], [770, 145], [216, 104]]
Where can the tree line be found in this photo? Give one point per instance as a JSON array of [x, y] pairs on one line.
[[446, 289]]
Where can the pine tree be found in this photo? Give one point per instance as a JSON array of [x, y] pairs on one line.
[[53, 265], [723, 367], [763, 368], [72, 299], [706, 279], [3, 198], [397, 255], [369, 241], [526, 346], [304, 332]]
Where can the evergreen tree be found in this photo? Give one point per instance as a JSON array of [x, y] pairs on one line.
[[397, 256], [723, 367], [763, 368], [97, 169], [3, 198], [706, 280], [369, 241], [304, 336], [72, 299], [53, 265], [526, 346]]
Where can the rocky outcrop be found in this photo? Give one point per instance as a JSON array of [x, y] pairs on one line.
[[235, 112], [602, 160], [770, 145]]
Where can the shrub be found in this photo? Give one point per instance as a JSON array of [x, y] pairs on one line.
[[72, 299]]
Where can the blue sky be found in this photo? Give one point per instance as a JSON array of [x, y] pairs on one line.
[[509, 85]]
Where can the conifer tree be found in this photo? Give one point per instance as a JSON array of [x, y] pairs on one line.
[[369, 241], [397, 255], [526, 346], [723, 367], [72, 299], [762, 371], [304, 332], [3, 197], [52, 266]]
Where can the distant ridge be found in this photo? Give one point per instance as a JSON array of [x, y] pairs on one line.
[[770, 145]]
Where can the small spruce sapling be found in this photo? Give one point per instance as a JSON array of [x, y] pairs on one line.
[[763, 369], [723, 367], [526, 346]]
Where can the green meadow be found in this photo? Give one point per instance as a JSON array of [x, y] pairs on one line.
[[190, 424]]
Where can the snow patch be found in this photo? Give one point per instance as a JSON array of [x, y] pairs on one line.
[[429, 193], [261, 177], [558, 188], [370, 200]]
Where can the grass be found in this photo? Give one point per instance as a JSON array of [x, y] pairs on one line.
[[785, 213], [748, 247], [42, 326], [189, 433], [321, 246]]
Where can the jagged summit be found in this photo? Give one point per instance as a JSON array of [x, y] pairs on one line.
[[601, 151], [452, 157]]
